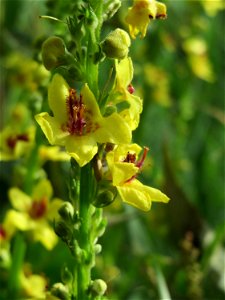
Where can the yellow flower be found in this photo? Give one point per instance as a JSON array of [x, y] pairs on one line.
[[16, 142], [198, 59], [213, 7], [25, 72], [140, 14], [17, 138], [77, 123], [123, 92], [124, 167], [32, 285], [33, 213]]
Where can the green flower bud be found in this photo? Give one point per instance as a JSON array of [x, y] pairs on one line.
[[55, 54], [116, 44], [92, 20], [110, 7], [66, 275], [97, 248], [101, 228], [62, 230], [53, 49], [104, 199], [61, 291], [98, 287], [66, 212]]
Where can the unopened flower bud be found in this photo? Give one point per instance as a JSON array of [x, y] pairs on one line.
[[54, 53], [116, 44], [97, 248], [110, 7], [104, 199], [66, 275], [98, 287], [62, 230], [66, 212], [61, 291]]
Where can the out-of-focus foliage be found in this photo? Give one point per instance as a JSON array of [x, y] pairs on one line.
[[176, 250]]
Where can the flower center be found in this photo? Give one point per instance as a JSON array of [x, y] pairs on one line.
[[38, 208], [75, 108], [131, 158], [12, 140]]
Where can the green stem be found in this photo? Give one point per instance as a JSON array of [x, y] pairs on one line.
[[84, 241], [19, 249]]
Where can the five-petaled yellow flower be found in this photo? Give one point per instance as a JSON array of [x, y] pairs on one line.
[[124, 167], [140, 14], [77, 123], [33, 213]]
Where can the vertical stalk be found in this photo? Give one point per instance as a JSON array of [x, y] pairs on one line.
[[84, 241], [19, 249]]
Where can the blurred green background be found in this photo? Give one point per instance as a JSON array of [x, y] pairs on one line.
[[175, 251]]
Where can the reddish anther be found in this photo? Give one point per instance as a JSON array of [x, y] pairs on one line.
[[75, 109]]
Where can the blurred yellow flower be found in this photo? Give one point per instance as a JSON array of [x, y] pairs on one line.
[[25, 72], [33, 213], [17, 138], [124, 168], [32, 285], [198, 59], [213, 7], [16, 142], [53, 153], [140, 14], [158, 80]]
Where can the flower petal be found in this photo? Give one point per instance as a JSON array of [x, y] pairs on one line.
[[45, 234], [53, 208], [139, 195], [124, 73], [17, 220], [52, 129], [90, 102], [42, 189], [113, 129], [81, 148], [132, 115], [19, 200], [134, 196], [58, 92], [33, 286]]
